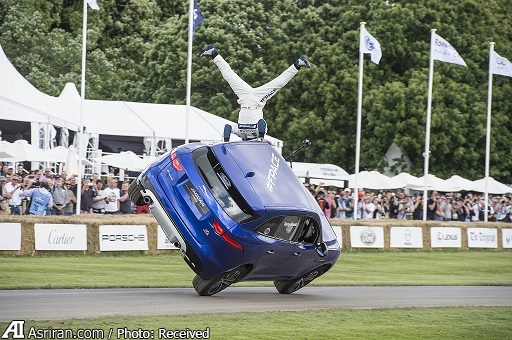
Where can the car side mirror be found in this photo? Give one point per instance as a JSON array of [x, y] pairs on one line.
[[321, 249]]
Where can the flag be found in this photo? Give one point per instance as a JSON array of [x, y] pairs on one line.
[[369, 44], [500, 65], [443, 51], [93, 4], [198, 17]]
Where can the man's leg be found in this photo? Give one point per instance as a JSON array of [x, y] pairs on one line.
[[268, 90]]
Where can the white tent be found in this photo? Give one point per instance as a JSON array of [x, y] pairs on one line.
[[329, 174], [435, 183], [460, 183], [21, 150], [127, 160], [405, 179], [494, 187], [372, 180]]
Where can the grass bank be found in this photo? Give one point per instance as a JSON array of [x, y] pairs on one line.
[[478, 267]]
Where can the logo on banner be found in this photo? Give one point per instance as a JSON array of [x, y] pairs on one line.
[[447, 237], [368, 237], [16, 329]]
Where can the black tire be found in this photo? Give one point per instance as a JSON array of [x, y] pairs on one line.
[[134, 193], [220, 282], [293, 285]]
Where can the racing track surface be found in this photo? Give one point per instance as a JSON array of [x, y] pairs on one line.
[[54, 304]]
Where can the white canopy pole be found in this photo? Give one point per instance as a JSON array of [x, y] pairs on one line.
[[427, 127], [358, 129], [189, 63], [488, 135]]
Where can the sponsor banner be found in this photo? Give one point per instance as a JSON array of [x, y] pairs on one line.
[[445, 237], [506, 235], [337, 231], [406, 237], [123, 237], [482, 238], [11, 236], [60, 236], [366, 237], [162, 241]]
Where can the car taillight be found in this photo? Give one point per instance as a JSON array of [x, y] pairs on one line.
[[222, 233], [176, 162]]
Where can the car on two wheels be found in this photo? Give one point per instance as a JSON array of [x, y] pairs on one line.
[[237, 212]]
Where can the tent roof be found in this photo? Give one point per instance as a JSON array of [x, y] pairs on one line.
[[21, 101]]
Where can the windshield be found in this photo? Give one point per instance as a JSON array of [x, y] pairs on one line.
[[221, 187]]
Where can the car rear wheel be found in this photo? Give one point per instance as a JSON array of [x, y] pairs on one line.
[[134, 193], [218, 283], [288, 287]]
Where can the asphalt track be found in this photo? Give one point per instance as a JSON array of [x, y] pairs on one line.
[[56, 304]]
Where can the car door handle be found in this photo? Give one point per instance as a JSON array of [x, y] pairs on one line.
[[296, 254], [270, 252]]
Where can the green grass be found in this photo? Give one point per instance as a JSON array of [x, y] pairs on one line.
[[406, 323], [478, 267]]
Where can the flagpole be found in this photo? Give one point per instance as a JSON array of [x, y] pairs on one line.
[[189, 64], [488, 135], [82, 100], [358, 129], [427, 127]]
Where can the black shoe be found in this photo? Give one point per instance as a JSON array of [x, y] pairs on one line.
[[227, 132]]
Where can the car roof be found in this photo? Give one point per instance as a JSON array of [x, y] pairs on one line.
[[257, 168]]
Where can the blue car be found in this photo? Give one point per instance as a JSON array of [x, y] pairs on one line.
[[237, 212]]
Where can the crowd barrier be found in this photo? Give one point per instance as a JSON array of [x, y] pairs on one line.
[[30, 235]]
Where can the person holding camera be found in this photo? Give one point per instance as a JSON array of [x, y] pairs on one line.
[[60, 196], [12, 192], [503, 211], [88, 193], [40, 198], [112, 194]]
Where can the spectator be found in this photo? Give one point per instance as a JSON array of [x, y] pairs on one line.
[[4, 206], [112, 195], [69, 208], [60, 196], [88, 192], [417, 214], [40, 198], [125, 202], [98, 205], [393, 206], [432, 206], [12, 192], [409, 207], [367, 208]]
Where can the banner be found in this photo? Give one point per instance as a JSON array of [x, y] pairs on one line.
[[406, 237], [506, 235], [500, 65], [162, 241], [11, 236], [482, 238], [445, 237], [337, 231], [366, 237], [443, 51], [123, 237], [60, 236]]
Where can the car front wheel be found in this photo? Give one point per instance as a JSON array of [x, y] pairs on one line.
[[288, 287], [220, 282]]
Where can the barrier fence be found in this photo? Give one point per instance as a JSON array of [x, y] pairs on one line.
[[30, 236]]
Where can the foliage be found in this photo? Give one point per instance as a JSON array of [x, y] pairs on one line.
[[137, 51]]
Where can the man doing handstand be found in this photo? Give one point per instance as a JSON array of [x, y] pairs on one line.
[[251, 124]]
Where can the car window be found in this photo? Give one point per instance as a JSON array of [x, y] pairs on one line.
[[221, 187], [310, 231], [283, 227]]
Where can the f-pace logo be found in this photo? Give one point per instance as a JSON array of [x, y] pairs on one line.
[[368, 237], [369, 43], [272, 173]]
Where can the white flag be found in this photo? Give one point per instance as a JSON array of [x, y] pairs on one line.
[[500, 65], [93, 4], [445, 52], [369, 44]]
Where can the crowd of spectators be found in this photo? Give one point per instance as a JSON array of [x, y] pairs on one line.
[[468, 207], [41, 192]]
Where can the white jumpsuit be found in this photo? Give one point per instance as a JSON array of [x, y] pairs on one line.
[[251, 100]]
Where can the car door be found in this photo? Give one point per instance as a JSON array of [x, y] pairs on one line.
[[304, 256], [277, 233]]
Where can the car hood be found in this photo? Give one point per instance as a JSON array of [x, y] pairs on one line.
[[262, 176]]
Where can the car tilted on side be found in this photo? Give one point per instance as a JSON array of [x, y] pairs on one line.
[[238, 213]]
